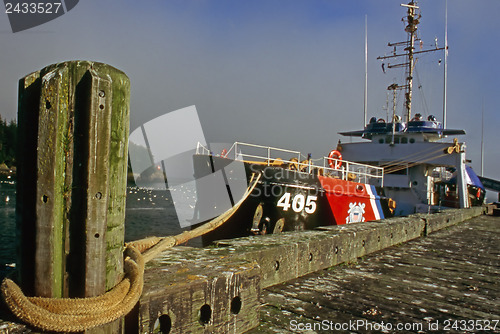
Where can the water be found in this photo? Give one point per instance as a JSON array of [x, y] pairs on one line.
[[7, 227], [148, 213]]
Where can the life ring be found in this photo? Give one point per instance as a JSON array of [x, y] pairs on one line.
[[381, 120], [335, 164], [223, 153]]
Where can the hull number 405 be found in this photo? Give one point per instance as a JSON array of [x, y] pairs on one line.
[[298, 203]]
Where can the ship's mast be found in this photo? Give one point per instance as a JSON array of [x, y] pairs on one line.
[[412, 20], [411, 28]]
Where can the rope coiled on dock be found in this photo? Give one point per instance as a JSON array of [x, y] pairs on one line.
[[79, 314]]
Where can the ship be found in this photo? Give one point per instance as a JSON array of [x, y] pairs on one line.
[[402, 167], [294, 191]]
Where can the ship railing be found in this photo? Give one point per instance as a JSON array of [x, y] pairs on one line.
[[272, 156], [262, 154], [202, 150], [352, 171]]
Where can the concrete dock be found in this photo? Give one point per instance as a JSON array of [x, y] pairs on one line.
[[446, 282]]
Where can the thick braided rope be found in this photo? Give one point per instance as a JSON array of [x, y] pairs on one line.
[[79, 314], [42, 315]]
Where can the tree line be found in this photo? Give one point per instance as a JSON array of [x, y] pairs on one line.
[[8, 142]]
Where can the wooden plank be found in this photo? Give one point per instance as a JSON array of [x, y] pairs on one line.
[[26, 199], [97, 188], [118, 164], [52, 131]]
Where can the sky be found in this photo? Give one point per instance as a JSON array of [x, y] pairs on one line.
[[284, 73]]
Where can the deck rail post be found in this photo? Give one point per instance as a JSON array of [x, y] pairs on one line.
[[73, 144]]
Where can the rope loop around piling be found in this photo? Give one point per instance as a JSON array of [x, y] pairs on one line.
[[80, 314]]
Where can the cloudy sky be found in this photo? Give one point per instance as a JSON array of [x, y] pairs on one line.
[[286, 73]]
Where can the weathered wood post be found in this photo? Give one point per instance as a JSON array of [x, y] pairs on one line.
[[73, 142]]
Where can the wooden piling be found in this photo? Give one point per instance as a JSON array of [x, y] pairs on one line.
[[73, 142]]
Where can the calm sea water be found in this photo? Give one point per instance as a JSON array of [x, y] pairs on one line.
[[7, 226], [148, 213]]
